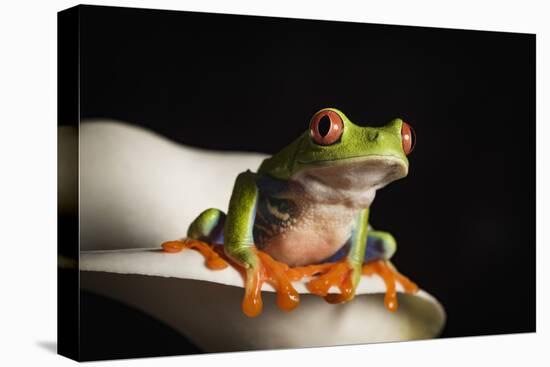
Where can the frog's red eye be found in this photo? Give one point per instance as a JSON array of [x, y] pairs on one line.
[[408, 139], [326, 127]]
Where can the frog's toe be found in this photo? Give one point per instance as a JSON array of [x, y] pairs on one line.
[[338, 274], [252, 303], [212, 258], [390, 276], [276, 274]]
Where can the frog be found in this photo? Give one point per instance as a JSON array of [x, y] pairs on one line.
[[305, 212]]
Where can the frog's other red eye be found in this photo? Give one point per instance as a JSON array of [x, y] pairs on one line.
[[326, 127], [408, 139]]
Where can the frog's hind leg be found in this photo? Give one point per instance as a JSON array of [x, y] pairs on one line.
[[203, 235], [208, 227], [380, 248]]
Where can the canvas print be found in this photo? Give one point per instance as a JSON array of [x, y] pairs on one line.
[[235, 183]]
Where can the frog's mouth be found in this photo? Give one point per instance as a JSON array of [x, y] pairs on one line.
[[352, 174], [359, 158]]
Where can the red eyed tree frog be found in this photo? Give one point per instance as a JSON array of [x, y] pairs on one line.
[[305, 213]]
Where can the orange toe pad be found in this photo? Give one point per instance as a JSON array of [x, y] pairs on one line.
[[275, 273], [280, 276], [336, 274], [212, 258], [390, 275]]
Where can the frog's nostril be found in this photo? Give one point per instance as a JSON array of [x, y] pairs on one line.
[[373, 135]]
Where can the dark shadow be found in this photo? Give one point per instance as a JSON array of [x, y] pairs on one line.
[[50, 346], [110, 329]]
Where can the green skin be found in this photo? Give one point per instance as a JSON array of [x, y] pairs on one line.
[[330, 189]]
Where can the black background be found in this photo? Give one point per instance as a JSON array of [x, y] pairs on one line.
[[464, 218]]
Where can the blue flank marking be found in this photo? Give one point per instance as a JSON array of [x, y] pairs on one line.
[[269, 186], [339, 255], [216, 234], [374, 251]]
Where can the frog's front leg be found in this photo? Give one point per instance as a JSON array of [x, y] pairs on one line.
[[239, 245], [380, 248]]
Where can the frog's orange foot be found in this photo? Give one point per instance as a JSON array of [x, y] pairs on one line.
[[338, 274], [278, 275], [390, 275], [212, 258]]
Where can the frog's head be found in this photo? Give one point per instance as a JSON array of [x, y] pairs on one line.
[[336, 155]]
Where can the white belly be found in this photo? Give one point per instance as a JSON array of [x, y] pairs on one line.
[[317, 233]]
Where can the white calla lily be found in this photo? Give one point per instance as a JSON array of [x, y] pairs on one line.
[[138, 190]]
